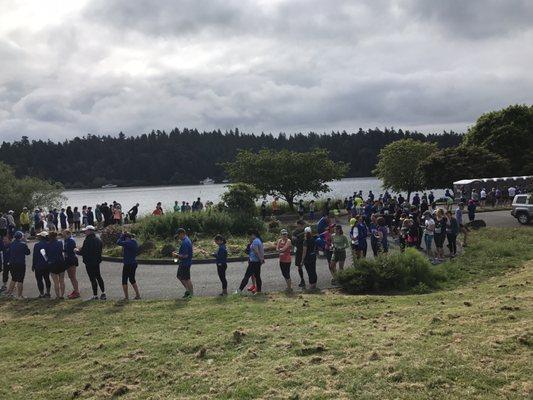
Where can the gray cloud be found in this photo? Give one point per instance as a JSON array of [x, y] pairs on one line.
[[474, 19], [271, 66]]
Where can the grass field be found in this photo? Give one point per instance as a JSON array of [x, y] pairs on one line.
[[471, 340]]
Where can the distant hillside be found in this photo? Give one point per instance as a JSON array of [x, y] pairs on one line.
[[186, 156]]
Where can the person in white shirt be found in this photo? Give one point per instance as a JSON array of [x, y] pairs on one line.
[[512, 193], [429, 231], [482, 197]]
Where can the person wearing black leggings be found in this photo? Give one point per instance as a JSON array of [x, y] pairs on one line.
[[4, 248], [256, 258], [221, 260], [297, 240], [40, 266], [309, 257], [91, 251], [452, 230], [93, 270]]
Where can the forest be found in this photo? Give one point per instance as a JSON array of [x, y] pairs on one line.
[[187, 156]]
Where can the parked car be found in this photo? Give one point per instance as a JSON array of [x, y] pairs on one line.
[[523, 208]]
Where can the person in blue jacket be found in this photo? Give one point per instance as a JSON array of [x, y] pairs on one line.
[[130, 249], [362, 234], [40, 266], [56, 264], [222, 262], [18, 250], [184, 256]]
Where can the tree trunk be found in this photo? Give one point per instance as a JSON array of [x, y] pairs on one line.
[[290, 202]]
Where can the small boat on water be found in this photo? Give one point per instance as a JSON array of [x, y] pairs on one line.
[[109, 186], [207, 181]]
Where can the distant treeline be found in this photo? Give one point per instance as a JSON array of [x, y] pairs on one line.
[[186, 156]]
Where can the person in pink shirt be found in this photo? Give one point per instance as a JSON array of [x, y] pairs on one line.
[[284, 247]]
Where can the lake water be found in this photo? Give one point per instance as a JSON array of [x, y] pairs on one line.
[[148, 196]]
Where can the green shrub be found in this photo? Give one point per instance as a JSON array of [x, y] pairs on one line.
[[167, 249], [240, 198], [196, 223], [241, 225], [395, 272], [146, 247], [110, 235]]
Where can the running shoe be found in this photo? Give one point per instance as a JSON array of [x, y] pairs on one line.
[[47, 296], [103, 296], [93, 298], [302, 283], [137, 298], [334, 282], [251, 288], [74, 295], [41, 296], [3, 289], [186, 295]]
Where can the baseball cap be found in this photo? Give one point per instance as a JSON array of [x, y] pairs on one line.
[[284, 232], [308, 229], [18, 235], [43, 234], [353, 221], [89, 228]]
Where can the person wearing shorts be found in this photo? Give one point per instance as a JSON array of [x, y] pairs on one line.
[[283, 247], [129, 257], [71, 262], [56, 264], [18, 250], [184, 256]]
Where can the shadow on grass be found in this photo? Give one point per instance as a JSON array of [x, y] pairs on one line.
[[56, 308]]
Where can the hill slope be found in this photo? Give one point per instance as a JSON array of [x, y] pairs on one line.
[[470, 342]]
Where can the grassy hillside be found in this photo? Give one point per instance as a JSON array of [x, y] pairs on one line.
[[471, 341]]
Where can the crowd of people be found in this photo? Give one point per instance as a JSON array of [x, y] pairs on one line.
[[420, 223], [53, 258]]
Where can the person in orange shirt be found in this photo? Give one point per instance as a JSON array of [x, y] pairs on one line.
[[158, 209], [275, 206]]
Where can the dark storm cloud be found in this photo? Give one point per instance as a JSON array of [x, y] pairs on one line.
[[299, 65], [475, 19]]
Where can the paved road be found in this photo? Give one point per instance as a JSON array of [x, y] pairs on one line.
[[159, 281]]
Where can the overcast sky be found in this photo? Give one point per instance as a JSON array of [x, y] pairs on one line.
[[68, 68]]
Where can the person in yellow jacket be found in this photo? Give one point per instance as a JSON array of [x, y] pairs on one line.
[[25, 220]]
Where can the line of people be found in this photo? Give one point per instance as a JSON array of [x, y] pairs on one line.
[[53, 258]]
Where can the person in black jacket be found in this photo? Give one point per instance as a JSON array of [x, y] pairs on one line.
[[40, 266], [132, 213], [91, 252]]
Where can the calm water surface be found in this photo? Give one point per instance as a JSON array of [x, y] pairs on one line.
[[148, 196]]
